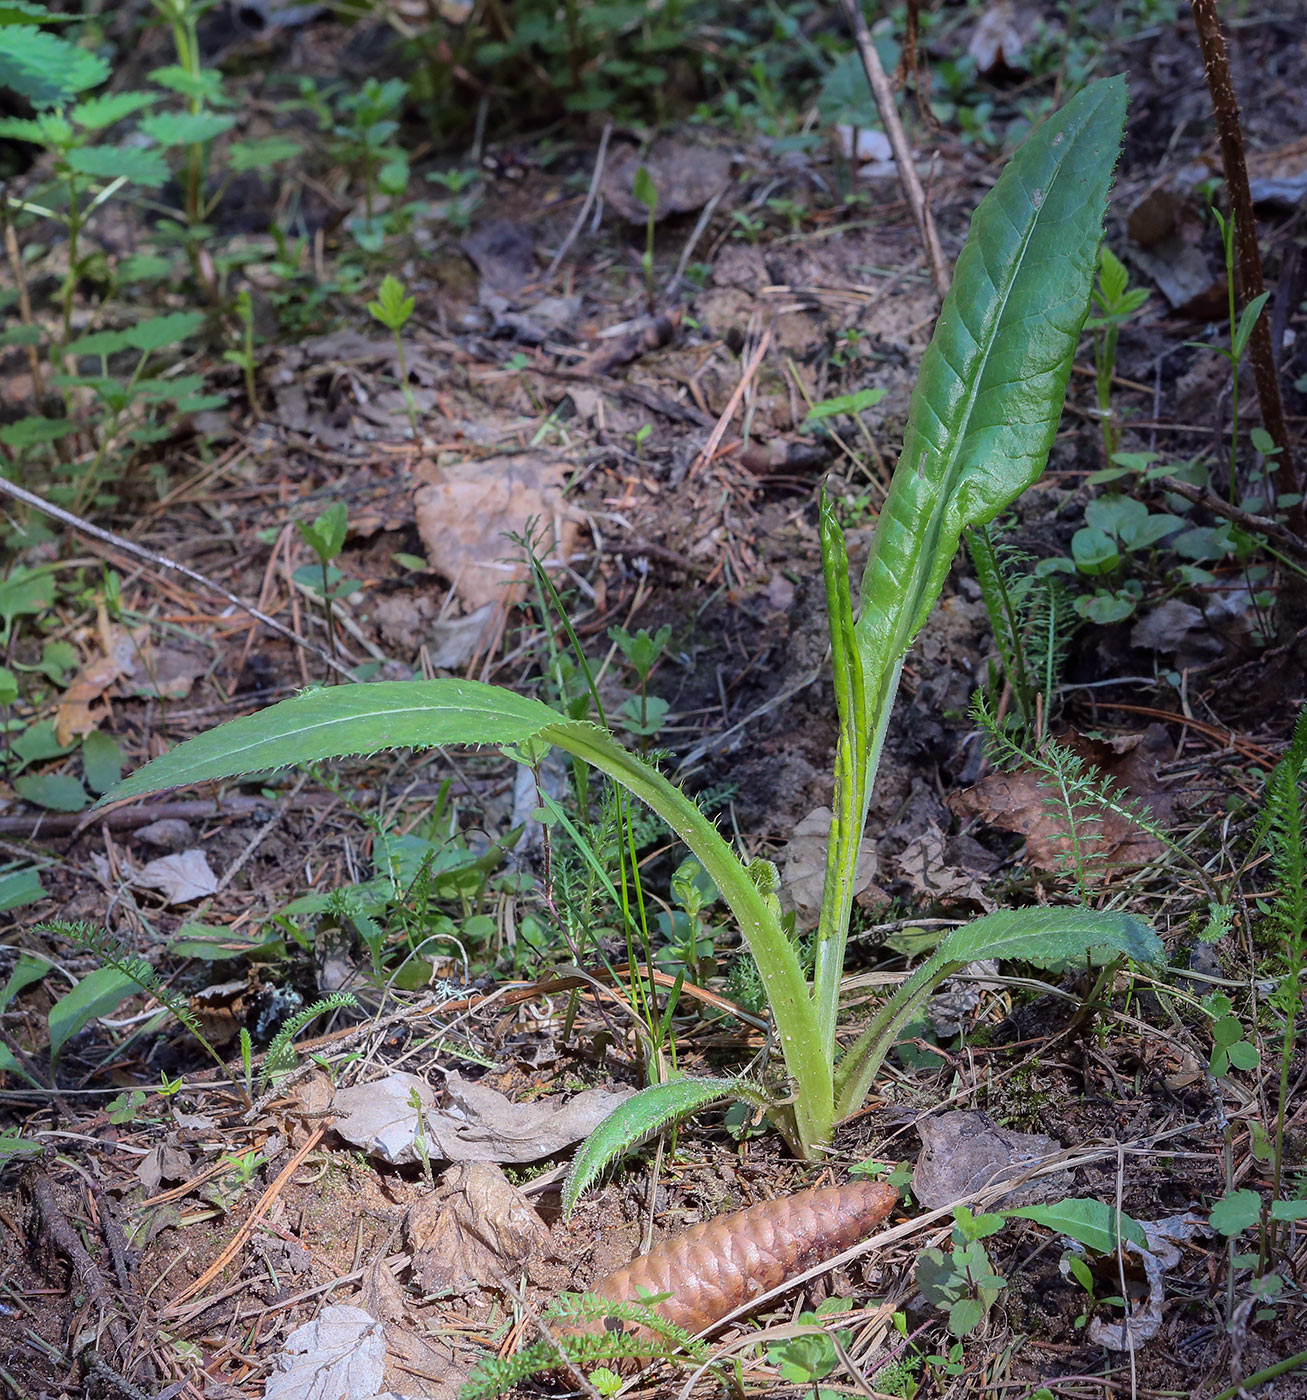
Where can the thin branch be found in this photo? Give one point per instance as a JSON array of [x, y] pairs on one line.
[[590, 195], [161, 561], [884, 95], [1292, 544]]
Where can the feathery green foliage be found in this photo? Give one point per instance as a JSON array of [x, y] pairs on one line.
[[280, 1055], [494, 1375], [1280, 830], [110, 952], [1032, 621], [1076, 796]]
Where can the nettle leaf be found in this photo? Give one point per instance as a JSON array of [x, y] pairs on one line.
[[243, 156], [142, 166], [22, 335], [204, 86], [95, 113], [162, 331], [29, 432], [99, 343], [23, 129], [989, 395], [186, 128], [23, 11], [641, 1116], [1092, 1223], [1112, 276], [46, 69]]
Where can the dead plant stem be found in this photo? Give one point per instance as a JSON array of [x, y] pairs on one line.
[[1225, 108]]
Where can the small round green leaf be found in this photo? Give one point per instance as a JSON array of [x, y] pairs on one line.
[[1238, 1211]]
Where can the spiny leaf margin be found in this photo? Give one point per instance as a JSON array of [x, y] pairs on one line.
[[641, 1116]]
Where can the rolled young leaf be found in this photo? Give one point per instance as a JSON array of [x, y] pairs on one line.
[[651, 1110]]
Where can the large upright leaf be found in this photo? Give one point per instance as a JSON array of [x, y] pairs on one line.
[[990, 391]]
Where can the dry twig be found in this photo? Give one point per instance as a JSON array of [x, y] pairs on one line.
[[587, 204], [161, 561], [884, 95]]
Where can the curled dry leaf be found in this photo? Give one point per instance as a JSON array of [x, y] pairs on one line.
[[1165, 1238], [79, 712], [465, 513], [478, 1123], [476, 1228], [718, 1266], [179, 878], [340, 1354]]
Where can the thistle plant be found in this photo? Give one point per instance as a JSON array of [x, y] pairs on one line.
[[981, 422]]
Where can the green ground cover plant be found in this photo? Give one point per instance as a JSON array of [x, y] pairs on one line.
[[982, 419]]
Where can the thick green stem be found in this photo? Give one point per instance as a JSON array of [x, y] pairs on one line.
[[807, 1056], [849, 802]]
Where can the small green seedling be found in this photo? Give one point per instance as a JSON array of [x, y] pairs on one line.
[[364, 125], [812, 1355], [1230, 1048], [646, 192], [1115, 302], [642, 715], [244, 357], [392, 308], [326, 537], [1077, 1266], [1241, 331], [962, 1283]]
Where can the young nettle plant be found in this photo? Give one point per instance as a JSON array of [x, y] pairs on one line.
[[392, 308], [1115, 302], [325, 536], [981, 422]]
